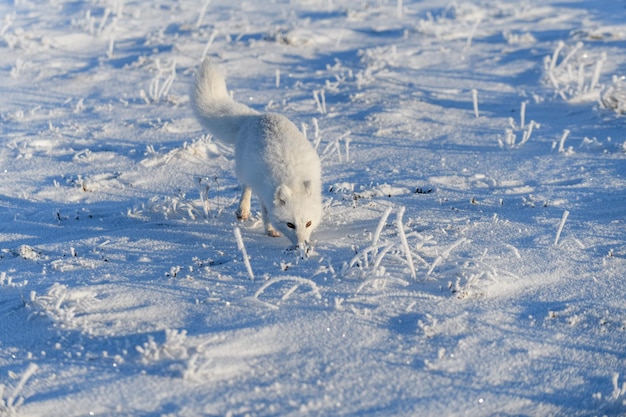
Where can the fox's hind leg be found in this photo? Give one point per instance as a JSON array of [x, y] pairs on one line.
[[269, 229], [243, 212]]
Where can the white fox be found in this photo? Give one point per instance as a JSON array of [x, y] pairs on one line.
[[272, 158]]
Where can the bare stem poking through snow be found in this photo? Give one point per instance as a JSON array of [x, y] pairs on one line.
[[528, 132], [298, 282], [555, 55], [320, 100], [560, 229], [203, 10], [379, 228], [597, 71], [209, 43], [317, 138], [562, 141], [470, 38], [13, 402], [111, 47], [475, 101], [445, 254], [158, 91], [617, 390], [405, 244], [202, 184], [242, 248]]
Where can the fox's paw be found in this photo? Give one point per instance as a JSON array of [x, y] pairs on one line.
[[242, 215], [273, 233]]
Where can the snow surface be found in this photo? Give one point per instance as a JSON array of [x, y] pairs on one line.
[[472, 256]]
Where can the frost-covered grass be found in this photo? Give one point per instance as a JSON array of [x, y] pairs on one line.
[[472, 252]]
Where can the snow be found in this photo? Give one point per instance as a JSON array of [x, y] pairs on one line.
[[472, 252]]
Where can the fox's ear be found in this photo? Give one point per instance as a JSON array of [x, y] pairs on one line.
[[282, 195]]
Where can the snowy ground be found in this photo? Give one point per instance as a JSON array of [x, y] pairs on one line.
[[472, 257]]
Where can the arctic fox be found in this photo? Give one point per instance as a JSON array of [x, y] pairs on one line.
[[272, 158]]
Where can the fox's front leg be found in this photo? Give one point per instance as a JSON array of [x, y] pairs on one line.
[[269, 229], [243, 212]]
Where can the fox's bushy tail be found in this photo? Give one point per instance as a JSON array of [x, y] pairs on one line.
[[214, 107]]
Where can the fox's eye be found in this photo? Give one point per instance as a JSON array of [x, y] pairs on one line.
[[308, 224], [291, 225]]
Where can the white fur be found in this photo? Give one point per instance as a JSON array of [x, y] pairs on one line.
[[272, 158]]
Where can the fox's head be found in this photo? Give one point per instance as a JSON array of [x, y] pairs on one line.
[[297, 211]]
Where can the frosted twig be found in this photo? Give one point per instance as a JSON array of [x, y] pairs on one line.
[[375, 283], [338, 148], [329, 149], [339, 38], [581, 78], [242, 248], [277, 78], [217, 195], [434, 265], [7, 26], [29, 372], [156, 90], [528, 132], [202, 13], [454, 246], [596, 73], [346, 138], [209, 43], [555, 56], [203, 190], [320, 100], [381, 255], [381, 224], [105, 16], [617, 391], [472, 33], [357, 257], [405, 244], [317, 101], [154, 84], [316, 134], [289, 292], [90, 22], [475, 100], [445, 254], [168, 82], [509, 138], [299, 281], [303, 129], [522, 114], [562, 141], [560, 229], [111, 47], [571, 53], [553, 80], [514, 250], [335, 146]]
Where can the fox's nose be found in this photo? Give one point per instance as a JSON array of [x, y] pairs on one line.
[[303, 248]]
